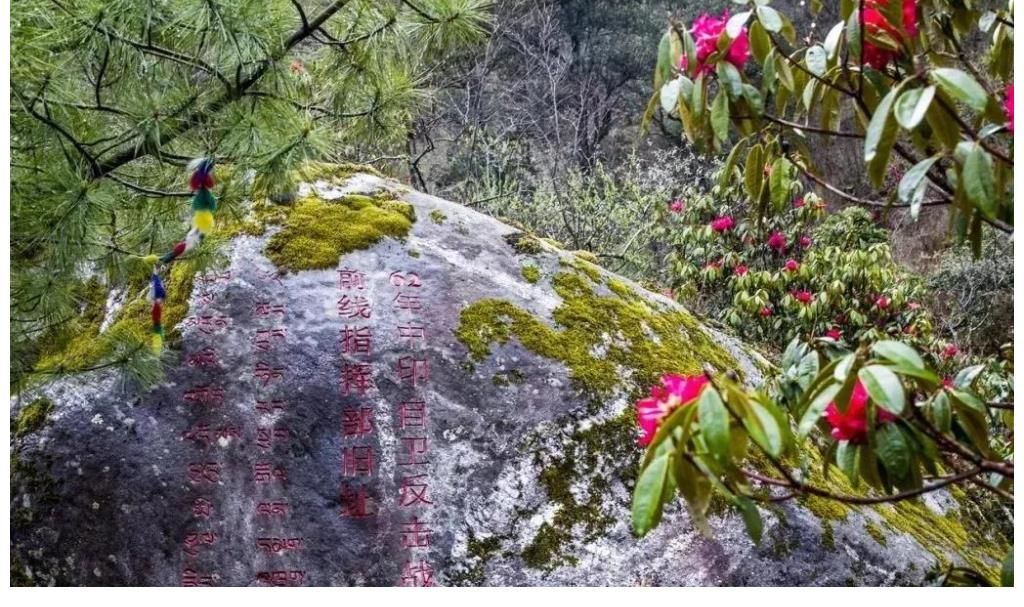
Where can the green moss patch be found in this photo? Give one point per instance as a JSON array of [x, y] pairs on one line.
[[635, 339], [524, 244], [438, 217], [531, 274], [32, 416], [316, 233]]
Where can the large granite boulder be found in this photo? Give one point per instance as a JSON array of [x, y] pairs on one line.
[[380, 387]]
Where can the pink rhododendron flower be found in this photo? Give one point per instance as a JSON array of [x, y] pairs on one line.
[[950, 351], [297, 67], [834, 333], [947, 382], [875, 23], [777, 241], [723, 224], [740, 270], [803, 297], [674, 391], [792, 265], [706, 32], [1008, 106], [668, 293], [676, 206], [798, 203], [765, 311], [852, 424], [806, 241], [883, 302]]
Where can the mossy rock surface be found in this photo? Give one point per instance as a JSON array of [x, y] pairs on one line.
[[526, 387]]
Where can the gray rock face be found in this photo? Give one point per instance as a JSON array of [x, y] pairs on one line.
[[329, 428]]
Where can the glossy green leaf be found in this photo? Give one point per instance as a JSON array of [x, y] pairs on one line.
[[817, 60], [884, 387], [760, 45], [848, 460], [770, 18], [979, 180], [832, 40], [893, 450], [914, 185], [713, 418], [912, 106], [670, 94], [898, 352], [751, 517], [880, 137], [648, 496], [966, 376], [961, 86], [734, 26], [816, 409]]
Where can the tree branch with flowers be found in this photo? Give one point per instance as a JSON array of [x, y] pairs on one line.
[[894, 75]]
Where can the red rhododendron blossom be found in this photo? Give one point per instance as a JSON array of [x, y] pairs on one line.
[[1008, 106], [875, 23], [947, 382], [777, 241], [806, 241], [676, 206], [740, 270], [706, 32], [950, 351], [803, 297], [883, 302], [792, 265], [798, 203], [765, 312], [723, 224], [852, 424], [834, 333], [297, 67], [675, 390]]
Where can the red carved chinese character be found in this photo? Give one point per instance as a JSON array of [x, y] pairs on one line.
[[280, 578], [208, 323], [264, 472], [199, 434], [403, 301], [355, 377], [266, 373], [409, 279], [415, 451], [207, 395], [415, 534], [356, 340], [351, 279], [418, 573], [194, 540], [206, 358], [356, 421], [204, 472], [265, 437], [266, 308], [356, 307], [355, 502], [201, 508], [191, 578], [412, 332], [272, 508], [412, 414], [268, 407], [413, 490], [265, 338], [214, 277], [412, 369], [278, 545], [357, 461]]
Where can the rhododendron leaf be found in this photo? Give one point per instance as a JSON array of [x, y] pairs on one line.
[[725, 176], [817, 60], [734, 27], [770, 18], [645, 120], [967, 398], [816, 408], [730, 77], [880, 137], [695, 489], [648, 496], [961, 86], [751, 517], [779, 182], [843, 366], [832, 40], [974, 424], [753, 172], [848, 460], [884, 387], [913, 185], [912, 106], [720, 116], [898, 352], [670, 94], [760, 44], [772, 438], [941, 412], [713, 418], [785, 73], [978, 180], [738, 443], [893, 450], [663, 67], [966, 376]]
